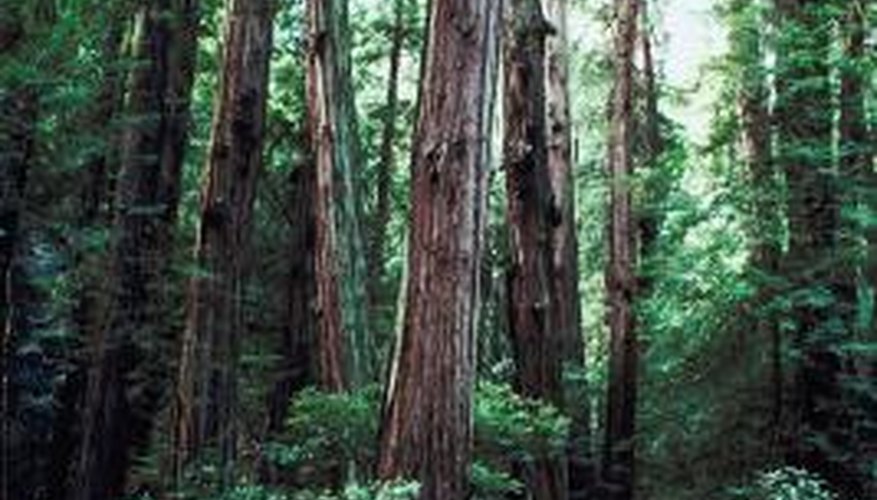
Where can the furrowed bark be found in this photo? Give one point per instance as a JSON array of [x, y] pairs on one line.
[[564, 244], [207, 387], [621, 286], [343, 343], [427, 433], [535, 338]]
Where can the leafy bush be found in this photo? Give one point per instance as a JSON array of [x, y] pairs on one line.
[[490, 484], [394, 490], [326, 429], [509, 426], [787, 483]]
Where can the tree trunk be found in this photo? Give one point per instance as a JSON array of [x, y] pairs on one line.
[[649, 220], [426, 433], [387, 160], [536, 341], [207, 386], [343, 344], [564, 244], [118, 413], [618, 468], [297, 369]]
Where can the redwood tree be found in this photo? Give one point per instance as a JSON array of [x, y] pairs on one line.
[[207, 394], [343, 346], [564, 244], [618, 466], [118, 414], [427, 433], [536, 341]]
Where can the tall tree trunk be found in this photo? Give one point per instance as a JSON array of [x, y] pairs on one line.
[[648, 219], [564, 244], [618, 468], [387, 160], [297, 366], [118, 413], [207, 387], [343, 344], [535, 339], [747, 46], [426, 433]]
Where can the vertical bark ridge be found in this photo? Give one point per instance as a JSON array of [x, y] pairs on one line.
[[618, 469], [426, 431], [207, 388]]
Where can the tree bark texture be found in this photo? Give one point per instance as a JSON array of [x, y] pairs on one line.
[[126, 377], [536, 341], [427, 431], [618, 468], [343, 343], [564, 244], [207, 392], [297, 369]]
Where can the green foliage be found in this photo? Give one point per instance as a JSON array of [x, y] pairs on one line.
[[787, 483], [490, 484], [508, 426], [326, 429], [395, 490]]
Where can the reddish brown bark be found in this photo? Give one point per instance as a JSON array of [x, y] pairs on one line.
[[564, 243], [207, 393], [118, 416], [426, 433], [343, 346], [536, 341], [564, 263], [618, 468]]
